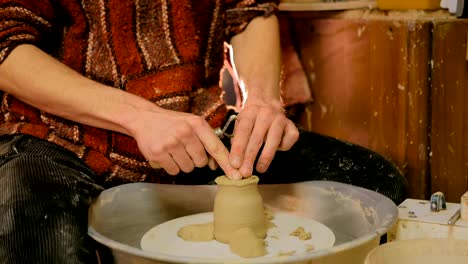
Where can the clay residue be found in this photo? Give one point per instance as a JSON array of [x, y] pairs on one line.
[[246, 244], [395, 15], [223, 180], [270, 224], [368, 214], [287, 253], [268, 218], [301, 233], [197, 232], [310, 248], [268, 214]]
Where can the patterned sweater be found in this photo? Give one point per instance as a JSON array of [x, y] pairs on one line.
[[167, 51]]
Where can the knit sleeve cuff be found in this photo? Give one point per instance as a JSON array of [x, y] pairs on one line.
[[238, 17], [20, 25]]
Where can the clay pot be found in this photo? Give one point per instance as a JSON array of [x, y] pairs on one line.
[[238, 204]]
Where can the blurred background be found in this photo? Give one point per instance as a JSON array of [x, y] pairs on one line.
[[390, 75]]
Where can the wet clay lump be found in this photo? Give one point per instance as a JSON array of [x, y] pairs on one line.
[[239, 218]]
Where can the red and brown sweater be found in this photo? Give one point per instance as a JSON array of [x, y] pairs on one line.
[[167, 51]]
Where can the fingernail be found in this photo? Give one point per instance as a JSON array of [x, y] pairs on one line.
[[236, 162], [212, 164], [236, 175], [245, 173], [261, 167]]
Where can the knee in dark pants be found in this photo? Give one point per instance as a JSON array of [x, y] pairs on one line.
[[43, 211]]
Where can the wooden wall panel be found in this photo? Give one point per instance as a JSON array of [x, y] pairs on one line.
[[418, 114], [369, 79], [335, 57], [388, 83], [449, 137]]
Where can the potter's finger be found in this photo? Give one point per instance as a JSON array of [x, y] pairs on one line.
[[196, 152], [272, 142], [290, 137], [262, 125], [212, 164], [182, 158], [242, 130], [167, 163], [217, 151]]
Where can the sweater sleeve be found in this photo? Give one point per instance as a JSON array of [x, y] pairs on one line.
[[24, 22], [240, 13]]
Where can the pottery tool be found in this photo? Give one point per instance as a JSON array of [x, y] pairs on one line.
[[454, 218], [227, 130], [221, 132]]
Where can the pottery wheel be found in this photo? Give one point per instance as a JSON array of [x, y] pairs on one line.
[[163, 238]]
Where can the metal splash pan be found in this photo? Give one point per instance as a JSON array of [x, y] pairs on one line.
[[358, 218]]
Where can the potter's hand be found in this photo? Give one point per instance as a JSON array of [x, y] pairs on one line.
[[178, 141], [260, 121]]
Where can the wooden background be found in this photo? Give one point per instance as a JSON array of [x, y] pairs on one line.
[[395, 83]]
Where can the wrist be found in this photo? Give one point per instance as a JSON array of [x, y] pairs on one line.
[[129, 116], [262, 90], [264, 99]]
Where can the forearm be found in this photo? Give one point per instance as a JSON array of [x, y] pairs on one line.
[[261, 126], [43, 82], [173, 140], [257, 57]]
